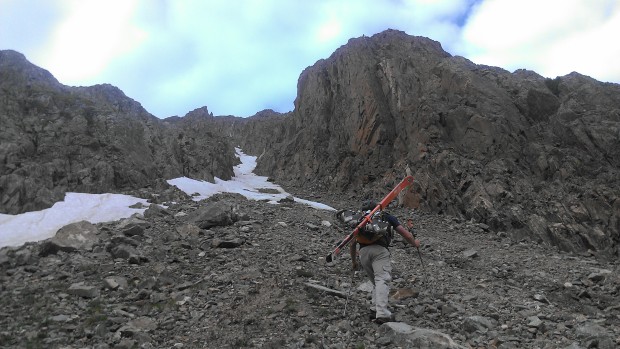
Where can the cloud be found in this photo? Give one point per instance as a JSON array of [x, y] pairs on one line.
[[244, 56], [89, 36], [552, 37]]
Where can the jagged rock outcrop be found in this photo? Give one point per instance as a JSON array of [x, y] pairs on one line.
[[537, 157], [56, 138], [256, 134]]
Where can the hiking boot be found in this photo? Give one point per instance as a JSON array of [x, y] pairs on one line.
[[382, 320]]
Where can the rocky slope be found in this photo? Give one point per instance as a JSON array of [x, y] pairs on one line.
[[233, 273], [536, 157], [56, 138]]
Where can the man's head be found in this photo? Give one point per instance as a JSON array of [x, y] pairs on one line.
[[368, 205]]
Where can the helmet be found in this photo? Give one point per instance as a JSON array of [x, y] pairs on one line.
[[368, 205]]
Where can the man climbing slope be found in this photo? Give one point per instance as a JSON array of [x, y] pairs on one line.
[[374, 241]]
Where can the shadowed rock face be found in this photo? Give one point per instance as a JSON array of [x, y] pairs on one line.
[[56, 138], [533, 156]]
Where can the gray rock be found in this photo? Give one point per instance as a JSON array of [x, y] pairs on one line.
[[84, 291], [23, 257], [479, 323], [404, 335], [142, 324], [4, 258], [366, 286], [125, 252], [188, 230], [115, 282], [212, 215], [591, 330], [72, 237], [599, 276], [133, 226], [287, 200], [471, 253], [156, 211], [312, 227], [534, 321], [229, 243]]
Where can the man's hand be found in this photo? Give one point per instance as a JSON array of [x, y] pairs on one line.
[[416, 243]]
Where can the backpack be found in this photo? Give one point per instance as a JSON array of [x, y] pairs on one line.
[[372, 232]]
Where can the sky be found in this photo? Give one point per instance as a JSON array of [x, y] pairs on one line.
[[240, 57], [15, 230]]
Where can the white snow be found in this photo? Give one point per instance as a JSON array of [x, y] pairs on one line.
[[16, 230], [244, 182]]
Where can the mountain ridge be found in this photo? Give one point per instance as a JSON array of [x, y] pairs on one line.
[[532, 156], [94, 139], [482, 142]]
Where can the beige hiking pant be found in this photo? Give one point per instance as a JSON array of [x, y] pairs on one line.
[[375, 260]]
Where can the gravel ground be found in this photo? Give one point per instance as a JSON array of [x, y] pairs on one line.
[[260, 280]]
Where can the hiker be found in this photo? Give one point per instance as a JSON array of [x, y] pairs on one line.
[[375, 260]]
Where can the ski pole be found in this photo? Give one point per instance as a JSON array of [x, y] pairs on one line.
[[423, 269], [344, 313], [410, 226]]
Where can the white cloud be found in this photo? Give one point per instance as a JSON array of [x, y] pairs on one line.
[[552, 37], [243, 56], [89, 37]]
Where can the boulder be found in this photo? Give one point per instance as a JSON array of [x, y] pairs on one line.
[[72, 237], [213, 215], [406, 336]]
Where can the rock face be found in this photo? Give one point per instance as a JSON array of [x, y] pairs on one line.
[[536, 157], [257, 134], [56, 138]]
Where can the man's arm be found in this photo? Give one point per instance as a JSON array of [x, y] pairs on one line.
[[406, 234], [353, 251]]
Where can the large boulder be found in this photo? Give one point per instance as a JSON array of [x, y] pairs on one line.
[[406, 336], [79, 236], [212, 215]]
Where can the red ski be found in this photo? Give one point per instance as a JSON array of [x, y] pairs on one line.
[[380, 206]]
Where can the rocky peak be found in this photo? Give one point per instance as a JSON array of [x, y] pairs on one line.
[[512, 150], [15, 69], [202, 112], [91, 139], [265, 113]]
